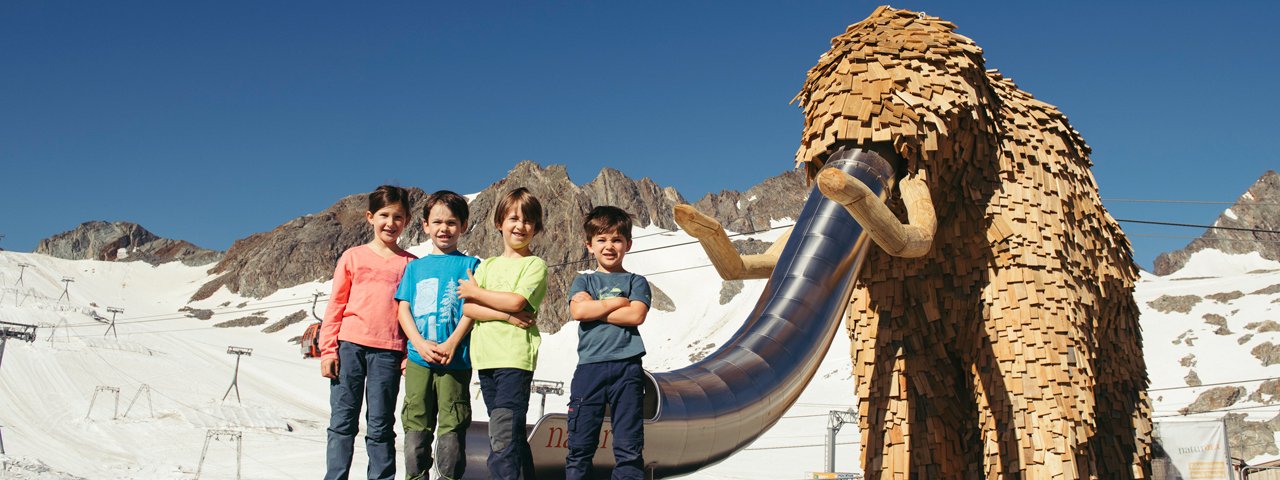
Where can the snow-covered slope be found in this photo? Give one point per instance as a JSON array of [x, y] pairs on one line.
[[171, 371], [1208, 332]]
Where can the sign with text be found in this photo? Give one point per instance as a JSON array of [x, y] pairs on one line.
[[549, 441], [1196, 450]]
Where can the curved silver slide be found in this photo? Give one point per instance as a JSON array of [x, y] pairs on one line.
[[701, 414]]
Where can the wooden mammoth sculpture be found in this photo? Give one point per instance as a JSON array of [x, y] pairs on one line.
[[994, 331]]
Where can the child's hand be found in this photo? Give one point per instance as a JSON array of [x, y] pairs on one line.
[[329, 367], [581, 297], [520, 319], [467, 287], [427, 350], [445, 352]]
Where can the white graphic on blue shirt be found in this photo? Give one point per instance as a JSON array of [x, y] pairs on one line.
[[448, 305], [425, 308]]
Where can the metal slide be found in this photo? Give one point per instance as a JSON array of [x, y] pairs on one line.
[[701, 414]]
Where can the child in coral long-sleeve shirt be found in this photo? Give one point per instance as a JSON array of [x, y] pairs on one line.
[[361, 344]]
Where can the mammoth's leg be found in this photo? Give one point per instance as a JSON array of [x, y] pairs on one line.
[[728, 262], [911, 240], [917, 414]]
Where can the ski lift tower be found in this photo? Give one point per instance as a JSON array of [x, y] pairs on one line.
[[112, 327], [543, 387], [66, 287], [835, 420], [18, 331], [22, 270], [235, 378]]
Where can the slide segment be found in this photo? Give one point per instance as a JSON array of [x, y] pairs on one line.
[[701, 414]]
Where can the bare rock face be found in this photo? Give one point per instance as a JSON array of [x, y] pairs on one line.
[[1248, 212], [1192, 379], [1267, 352], [1268, 392], [777, 197], [1248, 439], [122, 241], [1214, 399], [1219, 321], [1170, 303], [661, 301]]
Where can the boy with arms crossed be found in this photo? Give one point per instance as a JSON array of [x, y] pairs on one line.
[[609, 304]]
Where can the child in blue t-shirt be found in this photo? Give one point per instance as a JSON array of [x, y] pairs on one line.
[[609, 304], [438, 370]]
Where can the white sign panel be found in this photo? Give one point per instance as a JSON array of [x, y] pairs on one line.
[[1196, 450]]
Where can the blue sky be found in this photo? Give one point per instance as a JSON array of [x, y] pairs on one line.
[[210, 121]]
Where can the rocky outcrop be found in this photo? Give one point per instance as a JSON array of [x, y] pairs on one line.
[[1225, 297], [1171, 303], [122, 241], [1218, 321], [1268, 392], [291, 319], [1248, 439], [1192, 379], [775, 198], [1215, 399], [1268, 353], [1249, 212]]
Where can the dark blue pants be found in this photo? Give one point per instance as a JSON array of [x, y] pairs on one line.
[[620, 385], [506, 397], [363, 372]]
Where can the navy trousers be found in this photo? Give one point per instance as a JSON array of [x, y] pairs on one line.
[[619, 384], [363, 372], [506, 397]]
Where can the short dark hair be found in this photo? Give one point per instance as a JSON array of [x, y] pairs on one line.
[[607, 218], [386, 195], [529, 205], [457, 204]]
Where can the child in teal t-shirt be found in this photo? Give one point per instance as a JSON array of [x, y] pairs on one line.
[[503, 299], [438, 373]]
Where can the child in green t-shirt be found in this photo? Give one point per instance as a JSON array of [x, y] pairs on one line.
[[503, 297]]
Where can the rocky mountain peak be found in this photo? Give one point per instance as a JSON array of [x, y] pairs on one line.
[[1255, 210], [122, 241]]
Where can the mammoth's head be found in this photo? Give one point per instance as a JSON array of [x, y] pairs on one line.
[[899, 79]]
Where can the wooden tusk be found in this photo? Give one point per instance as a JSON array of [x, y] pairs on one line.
[[724, 256], [911, 240]]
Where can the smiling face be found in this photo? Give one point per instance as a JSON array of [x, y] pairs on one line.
[[444, 228], [388, 222], [517, 230], [609, 248]]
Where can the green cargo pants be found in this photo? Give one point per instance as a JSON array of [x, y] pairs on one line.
[[430, 394]]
